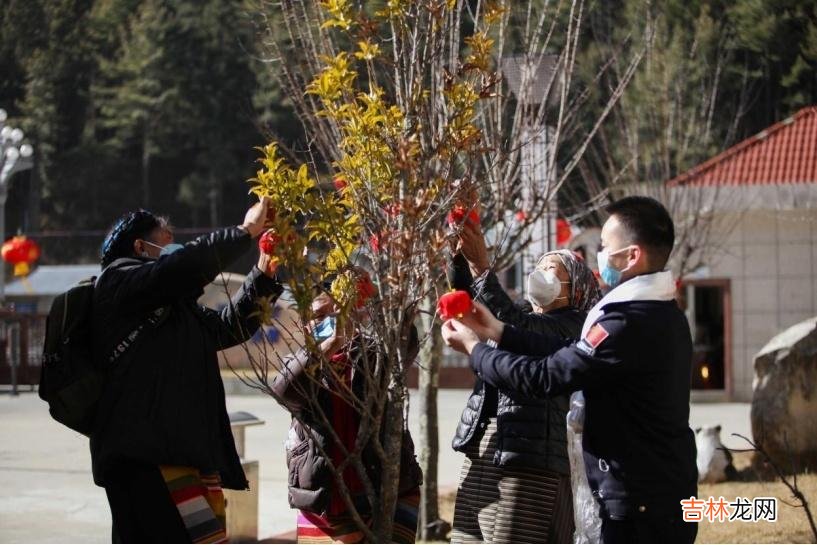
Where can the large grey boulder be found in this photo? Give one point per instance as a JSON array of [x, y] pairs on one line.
[[784, 402]]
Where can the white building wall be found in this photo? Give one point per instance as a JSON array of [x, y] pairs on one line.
[[771, 259]]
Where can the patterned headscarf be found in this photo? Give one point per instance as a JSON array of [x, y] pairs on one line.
[[584, 288]]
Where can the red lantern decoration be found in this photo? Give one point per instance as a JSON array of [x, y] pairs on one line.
[[454, 304], [20, 252]]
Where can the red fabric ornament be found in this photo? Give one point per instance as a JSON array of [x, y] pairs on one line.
[[458, 214], [21, 252], [340, 183], [365, 290], [269, 242], [393, 210], [563, 232], [375, 242], [454, 304], [379, 242]]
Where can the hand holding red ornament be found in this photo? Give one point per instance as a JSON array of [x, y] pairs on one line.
[[267, 245], [454, 304]]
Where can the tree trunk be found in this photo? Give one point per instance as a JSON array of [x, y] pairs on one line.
[[393, 424], [429, 525]]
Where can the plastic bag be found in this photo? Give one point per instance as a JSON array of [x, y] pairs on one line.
[[585, 508]]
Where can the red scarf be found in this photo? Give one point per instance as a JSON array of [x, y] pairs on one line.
[[345, 421]]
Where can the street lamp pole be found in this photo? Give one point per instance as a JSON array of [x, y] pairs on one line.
[[532, 78], [14, 157]]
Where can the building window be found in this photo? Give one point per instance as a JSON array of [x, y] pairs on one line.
[[706, 306]]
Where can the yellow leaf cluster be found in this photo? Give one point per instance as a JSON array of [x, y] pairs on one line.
[[461, 129], [480, 45], [302, 213], [367, 50], [340, 14], [284, 186], [337, 77], [344, 289], [492, 12]]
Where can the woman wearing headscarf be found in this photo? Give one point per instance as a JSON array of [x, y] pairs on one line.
[[515, 481]]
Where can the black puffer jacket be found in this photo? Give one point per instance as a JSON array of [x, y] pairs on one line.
[[164, 400], [310, 479], [531, 432]]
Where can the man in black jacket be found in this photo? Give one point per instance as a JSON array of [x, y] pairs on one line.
[[163, 404], [633, 364]]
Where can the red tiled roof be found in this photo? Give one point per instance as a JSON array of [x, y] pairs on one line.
[[785, 153]]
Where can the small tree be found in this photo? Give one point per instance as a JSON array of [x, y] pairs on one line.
[[394, 169], [406, 110]]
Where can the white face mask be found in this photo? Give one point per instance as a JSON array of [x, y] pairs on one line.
[[544, 288]]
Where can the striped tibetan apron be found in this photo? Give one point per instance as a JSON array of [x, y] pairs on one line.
[[509, 505], [200, 501]]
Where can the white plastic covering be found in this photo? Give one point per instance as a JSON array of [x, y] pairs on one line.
[[585, 508]]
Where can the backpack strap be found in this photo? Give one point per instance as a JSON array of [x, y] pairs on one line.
[[152, 321], [132, 339]]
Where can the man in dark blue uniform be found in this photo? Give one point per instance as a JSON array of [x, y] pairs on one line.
[[633, 364]]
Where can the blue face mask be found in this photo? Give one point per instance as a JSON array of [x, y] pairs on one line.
[[171, 248], [610, 276], [167, 249], [325, 329]]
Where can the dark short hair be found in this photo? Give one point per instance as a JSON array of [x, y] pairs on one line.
[[127, 229], [647, 223]]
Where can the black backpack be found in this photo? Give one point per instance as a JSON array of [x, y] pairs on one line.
[[71, 382]]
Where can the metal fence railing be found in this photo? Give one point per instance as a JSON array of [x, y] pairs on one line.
[[21, 345]]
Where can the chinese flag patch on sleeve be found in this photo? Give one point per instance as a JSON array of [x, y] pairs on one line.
[[596, 336]]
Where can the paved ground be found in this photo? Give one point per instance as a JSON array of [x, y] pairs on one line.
[[48, 494]]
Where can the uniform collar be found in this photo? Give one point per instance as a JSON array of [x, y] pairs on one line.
[[646, 287]]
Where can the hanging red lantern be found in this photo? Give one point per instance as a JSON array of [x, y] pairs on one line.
[[20, 252]]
